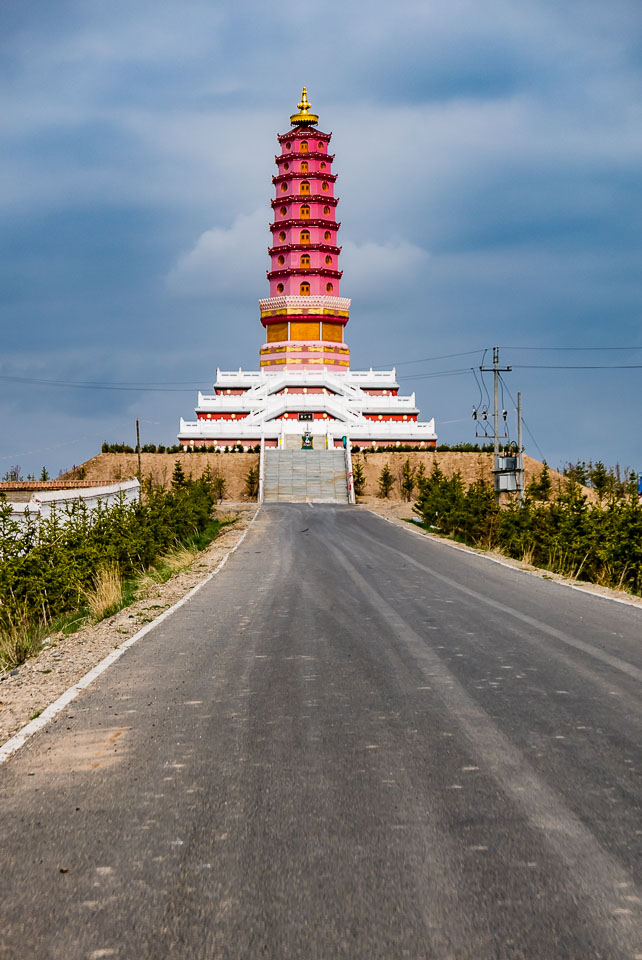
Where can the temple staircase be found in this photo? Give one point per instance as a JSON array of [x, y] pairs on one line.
[[300, 476]]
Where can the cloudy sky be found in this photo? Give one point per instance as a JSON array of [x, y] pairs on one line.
[[489, 156]]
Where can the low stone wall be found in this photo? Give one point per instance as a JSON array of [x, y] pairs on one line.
[[46, 497]]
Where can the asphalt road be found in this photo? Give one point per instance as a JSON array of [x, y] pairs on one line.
[[353, 742]]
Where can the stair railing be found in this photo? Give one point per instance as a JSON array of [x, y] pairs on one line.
[[261, 468], [350, 479]]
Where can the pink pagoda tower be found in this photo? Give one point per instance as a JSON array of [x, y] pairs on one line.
[[305, 383]]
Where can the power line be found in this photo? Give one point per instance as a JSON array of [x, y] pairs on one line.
[[444, 356], [436, 373], [573, 348], [88, 385], [578, 366], [528, 429]]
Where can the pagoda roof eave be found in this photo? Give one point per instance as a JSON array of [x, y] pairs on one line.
[[304, 198], [298, 130], [304, 272], [311, 154], [302, 247], [298, 222], [310, 175]]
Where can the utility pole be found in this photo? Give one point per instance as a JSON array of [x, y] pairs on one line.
[[520, 448], [138, 448], [496, 370]]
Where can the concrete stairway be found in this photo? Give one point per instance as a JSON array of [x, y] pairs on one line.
[[293, 476]]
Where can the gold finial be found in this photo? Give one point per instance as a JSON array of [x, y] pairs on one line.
[[304, 117]]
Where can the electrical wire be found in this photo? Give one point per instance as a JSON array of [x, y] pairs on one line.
[[435, 373], [572, 348], [529, 431], [577, 366], [88, 385], [483, 381], [444, 356], [481, 395]]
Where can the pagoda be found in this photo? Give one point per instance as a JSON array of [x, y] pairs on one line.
[[305, 384]]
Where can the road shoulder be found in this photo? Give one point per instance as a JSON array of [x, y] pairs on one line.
[[400, 513], [40, 681]]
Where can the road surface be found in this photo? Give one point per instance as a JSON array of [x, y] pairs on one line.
[[353, 742]]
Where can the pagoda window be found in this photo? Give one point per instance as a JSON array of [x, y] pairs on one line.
[[304, 236], [324, 185], [328, 260], [304, 146], [326, 211], [327, 235], [304, 289], [329, 288], [305, 261], [286, 166], [281, 260], [305, 187], [288, 146], [283, 211], [284, 188], [279, 288], [304, 166], [282, 236], [305, 212], [320, 145], [323, 164]]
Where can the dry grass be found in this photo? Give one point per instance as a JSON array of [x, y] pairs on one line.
[[19, 639], [528, 556], [105, 596], [180, 558]]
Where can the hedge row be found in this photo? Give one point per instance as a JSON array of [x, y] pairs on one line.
[[47, 565], [601, 542]]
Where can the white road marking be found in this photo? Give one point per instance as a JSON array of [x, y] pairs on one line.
[[503, 563], [622, 665], [19, 739], [592, 870]]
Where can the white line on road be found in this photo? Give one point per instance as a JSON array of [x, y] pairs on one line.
[[616, 662], [504, 563], [20, 738]]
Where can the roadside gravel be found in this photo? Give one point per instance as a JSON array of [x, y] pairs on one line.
[[26, 692]]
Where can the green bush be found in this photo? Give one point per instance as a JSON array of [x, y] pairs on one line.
[[252, 483], [595, 542], [358, 478], [48, 565], [386, 482]]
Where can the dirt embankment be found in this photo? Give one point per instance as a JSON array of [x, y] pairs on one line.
[[235, 466], [471, 466], [160, 466]]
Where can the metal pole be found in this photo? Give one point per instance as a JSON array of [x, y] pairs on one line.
[[496, 421], [520, 457], [496, 370], [496, 402], [138, 448]]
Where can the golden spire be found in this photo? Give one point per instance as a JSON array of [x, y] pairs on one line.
[[304, 118]]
